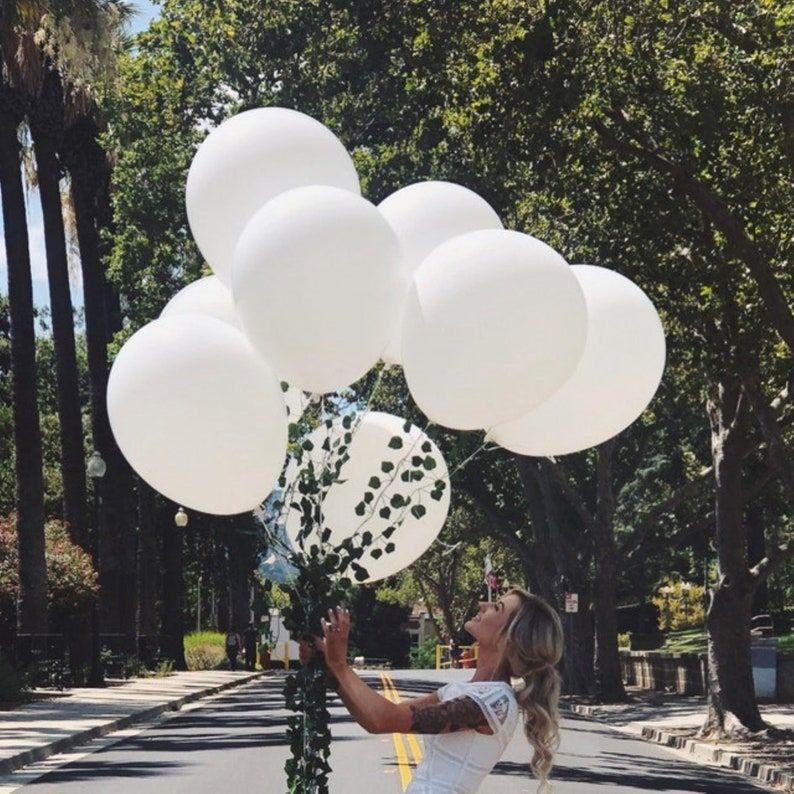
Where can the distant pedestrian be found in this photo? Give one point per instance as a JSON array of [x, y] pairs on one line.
[[454, 653], [250, 641], [232, 648]]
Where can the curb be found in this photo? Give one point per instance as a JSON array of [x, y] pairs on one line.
[[14, 762], [705, 752]]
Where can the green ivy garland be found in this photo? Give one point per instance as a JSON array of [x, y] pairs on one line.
[[323, 571]]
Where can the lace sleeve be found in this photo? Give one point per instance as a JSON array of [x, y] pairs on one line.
[[494, 701]]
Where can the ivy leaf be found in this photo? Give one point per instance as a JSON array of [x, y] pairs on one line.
[[389, 531], [307, 445], [366, 538], [407, 427], [389, 548], [361, 508], [397, 501], [347, 421], [376, 554], [384, 512], [430, 463], [417, 511], [374, 482], [386, 466], [427, 446], [395, 442]]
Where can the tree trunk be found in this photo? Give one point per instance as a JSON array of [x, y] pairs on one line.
[[69, 409], [85, 160], [172, 640], [731, 696], [607, 656], [222, 588], [577, 663], [148, 563], [570, 575], [32, 608], [242, 560], [756, 551]]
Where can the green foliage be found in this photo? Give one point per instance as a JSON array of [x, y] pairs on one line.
[[681, 605], [423, 657], [378, 627]]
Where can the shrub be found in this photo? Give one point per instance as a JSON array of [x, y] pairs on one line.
[[423, 657], [681, 605], [72, 582], [205, 650], [12, 686]]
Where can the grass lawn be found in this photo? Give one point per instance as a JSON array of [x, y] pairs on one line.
[[694, 641]]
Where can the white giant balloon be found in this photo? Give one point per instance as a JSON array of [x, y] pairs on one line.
[[615, 380], [209, 297], [206, 296], [318, 286], [494, 323], [368, 450], [246, 161], [423, 216], [198, 414]]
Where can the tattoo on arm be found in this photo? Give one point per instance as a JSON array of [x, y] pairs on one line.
[[460, 714]]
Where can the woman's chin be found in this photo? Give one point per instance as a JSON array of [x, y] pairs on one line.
[[469, 626]]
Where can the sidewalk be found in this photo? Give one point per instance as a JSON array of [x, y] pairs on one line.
[[673, 721], [34, 731]]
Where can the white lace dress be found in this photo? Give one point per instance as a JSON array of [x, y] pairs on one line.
[[457, 763]]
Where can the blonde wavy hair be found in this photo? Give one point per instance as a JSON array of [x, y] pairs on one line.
[[531, 648]]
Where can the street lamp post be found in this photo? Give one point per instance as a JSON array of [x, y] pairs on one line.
[[96, 469]]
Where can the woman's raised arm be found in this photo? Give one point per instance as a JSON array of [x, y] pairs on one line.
[[374, 712]]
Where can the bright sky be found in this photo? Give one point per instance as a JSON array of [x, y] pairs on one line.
[[146, 11]]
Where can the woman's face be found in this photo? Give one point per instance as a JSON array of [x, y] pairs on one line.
[[491, 618]]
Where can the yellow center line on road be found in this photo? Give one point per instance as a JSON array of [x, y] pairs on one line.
[[416, 750], [399, 744]]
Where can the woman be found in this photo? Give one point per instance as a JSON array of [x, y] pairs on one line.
[[470, 723]]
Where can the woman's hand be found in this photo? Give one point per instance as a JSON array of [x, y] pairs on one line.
[[336, 633]]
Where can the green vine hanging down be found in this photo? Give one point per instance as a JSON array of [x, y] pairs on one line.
[[325, 571]]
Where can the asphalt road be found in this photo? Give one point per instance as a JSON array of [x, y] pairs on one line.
[[234, 744]]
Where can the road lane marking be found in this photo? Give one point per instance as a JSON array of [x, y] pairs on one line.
[[416, 750], [399, 744]]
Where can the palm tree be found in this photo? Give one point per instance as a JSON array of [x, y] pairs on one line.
[[100, 25], [32, 613], [45, 120]]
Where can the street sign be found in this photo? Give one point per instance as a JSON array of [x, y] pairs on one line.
[[572, 602]]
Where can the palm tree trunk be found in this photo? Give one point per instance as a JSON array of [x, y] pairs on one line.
[[117, 556], [69, 411], [32, 610]]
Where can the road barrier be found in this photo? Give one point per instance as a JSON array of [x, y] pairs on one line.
[[468, 656]]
